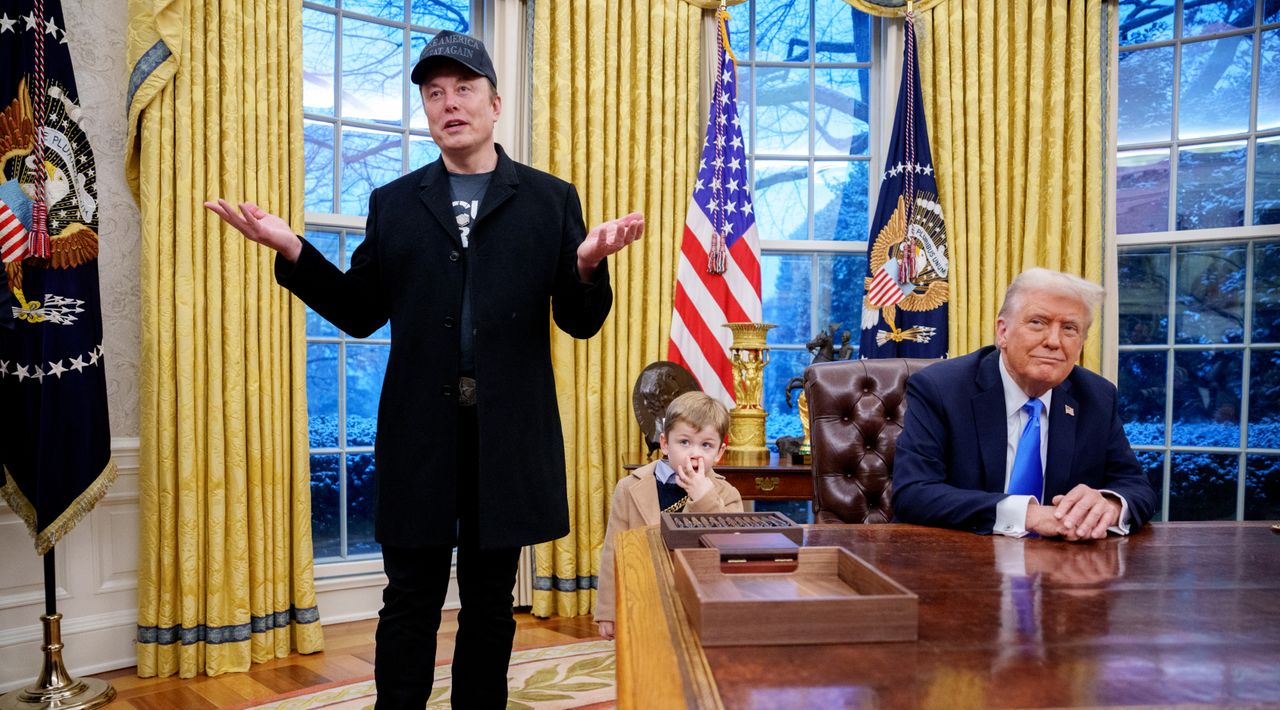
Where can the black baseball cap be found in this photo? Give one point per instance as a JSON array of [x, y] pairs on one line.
[[463, 49]]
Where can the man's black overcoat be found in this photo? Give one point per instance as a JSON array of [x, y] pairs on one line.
[[411, 269]]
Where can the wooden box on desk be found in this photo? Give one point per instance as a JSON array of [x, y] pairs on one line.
[[833, 596]]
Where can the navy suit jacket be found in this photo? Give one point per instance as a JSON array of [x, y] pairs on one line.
[[949, 467]]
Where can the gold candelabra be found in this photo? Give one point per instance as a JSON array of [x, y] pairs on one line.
[[749, 354]]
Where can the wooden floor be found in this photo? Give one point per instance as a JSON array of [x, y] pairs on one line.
[[348, 655]]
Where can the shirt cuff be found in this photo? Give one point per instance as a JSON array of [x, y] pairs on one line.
[[1011, 516], [1122, 525]]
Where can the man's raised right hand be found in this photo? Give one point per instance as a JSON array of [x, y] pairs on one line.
[[259, 226]]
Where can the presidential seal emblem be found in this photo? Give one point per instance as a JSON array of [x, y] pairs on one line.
[[71, 196], [909, 270]]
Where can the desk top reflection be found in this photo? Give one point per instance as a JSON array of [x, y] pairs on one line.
[[1179, 613]]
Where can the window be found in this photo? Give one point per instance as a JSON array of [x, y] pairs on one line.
[[363, 126], [807, 78], [1197, 209]]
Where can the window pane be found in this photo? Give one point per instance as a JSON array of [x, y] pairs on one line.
[[360, 498], [1215, 89], [1146, 21], [417, 116], [1142, 400], [1201, 18], [783, 419], [1203, 486], [1206, 398], [1210, 188], [781, 196], [441, 14], [840, 201], [840, 297], [1144, 295], [1262, 488], [319, 54], [1271, 13], [353, 240], [782, 31], [1142, 191], [1266, 180], [782, 111], [1269, 81], [1153, 463], [327, 243], [366, 365], [1145, 96], [369, 159], [372, 72], [326, 533], [386, 9], [1264, 399], [322, 394], [842, 101], [317, 156], [786, 281], [1210, 305], [422, 151], [1266, 292], [843, 33]]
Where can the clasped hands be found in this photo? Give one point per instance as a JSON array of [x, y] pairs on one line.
[[1082, 514]]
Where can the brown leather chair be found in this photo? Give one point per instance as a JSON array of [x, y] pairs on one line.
[[856, 410]]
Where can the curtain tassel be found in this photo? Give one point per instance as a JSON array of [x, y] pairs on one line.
[[718, 259]]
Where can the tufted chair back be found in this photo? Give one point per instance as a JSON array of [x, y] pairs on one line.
[[856, 410]]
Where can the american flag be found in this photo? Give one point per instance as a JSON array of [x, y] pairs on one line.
[[707, 298]]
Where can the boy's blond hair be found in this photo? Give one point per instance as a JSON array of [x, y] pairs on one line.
[[699, 410]]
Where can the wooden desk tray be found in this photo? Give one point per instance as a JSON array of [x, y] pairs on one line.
[[686, 529], [833, 597]]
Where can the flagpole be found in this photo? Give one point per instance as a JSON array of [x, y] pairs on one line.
[[55, 688]]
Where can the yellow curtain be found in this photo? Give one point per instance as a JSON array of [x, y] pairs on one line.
[[615, 111], [224, 577], [1013, 97], [892, 8]]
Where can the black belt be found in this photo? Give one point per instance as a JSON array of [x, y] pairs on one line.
[[466, 391]]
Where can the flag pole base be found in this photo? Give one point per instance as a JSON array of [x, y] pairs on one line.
[[55, 688]]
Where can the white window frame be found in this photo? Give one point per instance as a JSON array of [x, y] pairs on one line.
[[1174, 239]]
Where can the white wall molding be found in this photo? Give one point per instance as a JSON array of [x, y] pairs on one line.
[[97, 577]]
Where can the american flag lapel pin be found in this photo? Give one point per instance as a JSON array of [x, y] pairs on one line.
[[1071, 412]]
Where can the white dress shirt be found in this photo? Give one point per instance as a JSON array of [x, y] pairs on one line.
[[1011, 512]]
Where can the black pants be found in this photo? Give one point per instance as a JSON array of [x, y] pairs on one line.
[[417, 581]]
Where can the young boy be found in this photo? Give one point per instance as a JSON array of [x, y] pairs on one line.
[[693, 439]]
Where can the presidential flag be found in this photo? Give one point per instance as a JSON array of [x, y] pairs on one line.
[[718, 277], [904, 313], [55, 446]]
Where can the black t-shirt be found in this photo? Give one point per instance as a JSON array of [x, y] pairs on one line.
[[467, 192]]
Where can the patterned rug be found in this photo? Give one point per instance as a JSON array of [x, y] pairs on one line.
[[578, 675]]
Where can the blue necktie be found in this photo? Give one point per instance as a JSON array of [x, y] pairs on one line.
[[1026, 478]]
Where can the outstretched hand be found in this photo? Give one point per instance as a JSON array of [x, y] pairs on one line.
[[608, 238], [259, 226]]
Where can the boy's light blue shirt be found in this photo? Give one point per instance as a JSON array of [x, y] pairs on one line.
[[663, 471]]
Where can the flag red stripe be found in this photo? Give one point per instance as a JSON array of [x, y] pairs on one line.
[[701, 333], [715, 284]]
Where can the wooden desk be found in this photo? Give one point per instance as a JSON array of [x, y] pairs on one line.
[[771, 481], [1180, 613]]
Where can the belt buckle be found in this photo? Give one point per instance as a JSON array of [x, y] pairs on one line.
[[467, 391]]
